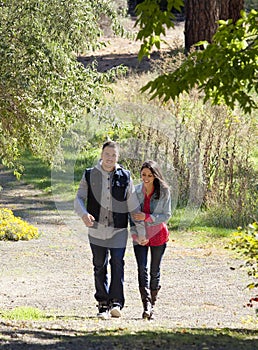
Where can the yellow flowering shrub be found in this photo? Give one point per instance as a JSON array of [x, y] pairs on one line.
[[14, 228]]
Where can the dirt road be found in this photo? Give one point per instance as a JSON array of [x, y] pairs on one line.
[[54, 274]]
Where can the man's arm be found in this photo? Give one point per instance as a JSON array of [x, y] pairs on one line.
[[79, 203], [81, 197]]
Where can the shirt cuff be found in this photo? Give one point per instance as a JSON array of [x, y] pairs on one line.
[[148, 218]]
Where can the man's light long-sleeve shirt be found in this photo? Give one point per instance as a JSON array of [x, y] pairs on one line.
[[106, 227]]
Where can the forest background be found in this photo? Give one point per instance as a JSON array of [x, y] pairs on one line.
[[61, 111]]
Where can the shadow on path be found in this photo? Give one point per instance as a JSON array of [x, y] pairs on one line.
[[69, 339], [130, 60]]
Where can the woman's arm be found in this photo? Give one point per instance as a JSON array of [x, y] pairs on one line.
[[161, 212]]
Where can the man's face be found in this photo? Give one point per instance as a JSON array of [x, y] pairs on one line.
[[109, 158]]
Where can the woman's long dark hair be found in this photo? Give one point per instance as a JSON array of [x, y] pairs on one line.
[[159, 181]]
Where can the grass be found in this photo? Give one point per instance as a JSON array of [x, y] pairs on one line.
[[254, 159], [36, 172], [201, 232], [24, 313], [199, 239]]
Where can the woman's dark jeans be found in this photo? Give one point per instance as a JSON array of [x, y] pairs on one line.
[[141, 254], [115, 291]]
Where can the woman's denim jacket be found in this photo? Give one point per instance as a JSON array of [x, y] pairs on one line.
[[160, 208]]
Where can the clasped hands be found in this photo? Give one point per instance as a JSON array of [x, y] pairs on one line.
[[142, 240], [88, 220]]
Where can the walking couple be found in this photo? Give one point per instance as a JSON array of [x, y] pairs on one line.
[[107, 201]]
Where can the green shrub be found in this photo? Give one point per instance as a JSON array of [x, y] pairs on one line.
[[14, 228], [245, 242]]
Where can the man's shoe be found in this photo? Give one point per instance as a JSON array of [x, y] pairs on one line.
[[103, 313], [115, 310]]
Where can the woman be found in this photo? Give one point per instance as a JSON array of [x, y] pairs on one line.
[[154, 196]]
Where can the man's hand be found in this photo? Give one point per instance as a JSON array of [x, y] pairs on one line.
[[88, 219]]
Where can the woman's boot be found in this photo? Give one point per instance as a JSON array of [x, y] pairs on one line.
[[146, 301], [154, 294]]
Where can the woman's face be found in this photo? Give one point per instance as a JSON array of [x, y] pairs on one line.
[[147, 177]]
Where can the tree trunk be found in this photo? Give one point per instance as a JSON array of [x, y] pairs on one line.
[[230, 9], [131, 4], [235, 6], [224, 8], [201, 18]]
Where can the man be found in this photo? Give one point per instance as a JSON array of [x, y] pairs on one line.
[[104, 200]]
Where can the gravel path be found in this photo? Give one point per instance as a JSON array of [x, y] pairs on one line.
[[54, 274]]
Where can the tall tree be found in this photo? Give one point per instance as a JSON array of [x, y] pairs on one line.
[[230, 9], [201, 18], [43, 88], [226, 70]]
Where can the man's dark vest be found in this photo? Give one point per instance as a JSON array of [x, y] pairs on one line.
[[119, 189]]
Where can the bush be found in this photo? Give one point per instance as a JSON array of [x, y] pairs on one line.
[[14, 228], [245, 242]]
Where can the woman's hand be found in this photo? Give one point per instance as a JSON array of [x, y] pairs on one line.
[[142, 240], [139, 216]]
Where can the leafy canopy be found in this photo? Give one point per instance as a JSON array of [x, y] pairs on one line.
[[226, 70], [153, 21], [43, 88]]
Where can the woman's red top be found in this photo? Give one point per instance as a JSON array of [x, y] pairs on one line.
[[157, 234]]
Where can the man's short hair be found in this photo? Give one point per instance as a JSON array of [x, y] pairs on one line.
[[110, 144]]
